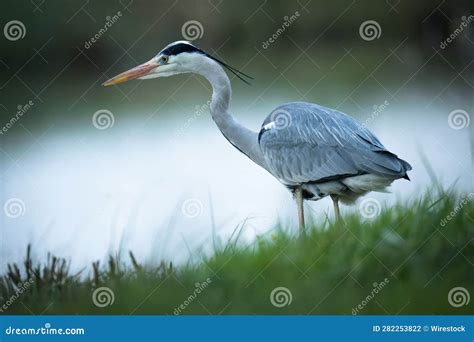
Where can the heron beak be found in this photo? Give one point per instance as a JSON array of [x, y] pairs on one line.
[[139, 71]]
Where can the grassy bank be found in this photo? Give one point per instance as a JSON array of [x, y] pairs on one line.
[[405, 260]]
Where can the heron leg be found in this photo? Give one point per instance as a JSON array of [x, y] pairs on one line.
[[335, 201], [299, 204]]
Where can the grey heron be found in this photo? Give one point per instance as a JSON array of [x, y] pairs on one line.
[[312, 150]]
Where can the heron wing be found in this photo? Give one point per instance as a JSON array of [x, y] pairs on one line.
[[303, 142]]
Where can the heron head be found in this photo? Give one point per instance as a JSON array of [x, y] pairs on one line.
[[176, 58]]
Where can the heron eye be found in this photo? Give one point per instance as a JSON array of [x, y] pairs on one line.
[[163, 59]]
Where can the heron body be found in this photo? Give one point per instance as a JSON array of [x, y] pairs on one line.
[[312, 150], [326, 152]]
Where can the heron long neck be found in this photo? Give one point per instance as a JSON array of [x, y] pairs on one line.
[[244, 139]]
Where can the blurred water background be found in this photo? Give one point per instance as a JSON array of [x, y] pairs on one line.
[[159, 178]]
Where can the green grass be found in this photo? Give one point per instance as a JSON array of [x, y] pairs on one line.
[[330, 271]]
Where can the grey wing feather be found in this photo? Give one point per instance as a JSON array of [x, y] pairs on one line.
[[304, 142]]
